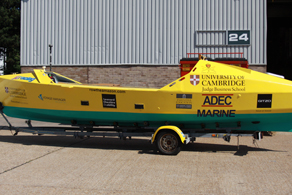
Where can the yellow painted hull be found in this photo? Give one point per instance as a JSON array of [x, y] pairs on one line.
[[212, 95]]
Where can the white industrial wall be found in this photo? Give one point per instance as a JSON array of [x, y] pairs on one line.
[[148, 32]]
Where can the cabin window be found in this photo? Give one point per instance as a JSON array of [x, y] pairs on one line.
[[58, 78]]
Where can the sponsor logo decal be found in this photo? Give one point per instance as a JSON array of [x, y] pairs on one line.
[[43, 98], [18, 95], [109, 101], [222, 80], [29, 79], [184, 106], [16, 92], [107, 90], [208, 69], [216, 113], [195, 79], [264, 101], [217, 100], [188, 96], [184, 101], [212, 83]]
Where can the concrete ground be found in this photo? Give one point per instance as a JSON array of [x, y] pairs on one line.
[[31, 164]]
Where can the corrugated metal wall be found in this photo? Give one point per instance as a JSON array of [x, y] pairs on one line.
[[104, 32]]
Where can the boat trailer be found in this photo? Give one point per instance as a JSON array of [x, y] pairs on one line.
[[167, 142]]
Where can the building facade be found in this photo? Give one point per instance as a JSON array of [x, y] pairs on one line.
[[138, 42]]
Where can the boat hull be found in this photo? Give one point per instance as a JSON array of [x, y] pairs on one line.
[[211, 96]]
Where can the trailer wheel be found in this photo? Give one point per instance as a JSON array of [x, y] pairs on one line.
[[168, 142]]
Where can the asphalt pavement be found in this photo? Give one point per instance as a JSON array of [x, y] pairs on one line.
[[48, 164]]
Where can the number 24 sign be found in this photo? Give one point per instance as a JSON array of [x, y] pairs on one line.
[[238, 37]]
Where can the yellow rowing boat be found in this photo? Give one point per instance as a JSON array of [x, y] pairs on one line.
[[211, 95]]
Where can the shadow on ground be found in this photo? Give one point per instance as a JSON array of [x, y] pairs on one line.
[[142, 145]]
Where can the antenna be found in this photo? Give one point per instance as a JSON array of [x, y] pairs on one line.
[[50, 45]]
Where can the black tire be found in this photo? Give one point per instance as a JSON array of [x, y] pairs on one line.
[[168, 143]]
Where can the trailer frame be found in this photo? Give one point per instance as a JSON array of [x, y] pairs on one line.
[[190, 135]]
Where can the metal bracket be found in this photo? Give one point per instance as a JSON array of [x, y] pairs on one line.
[[28, 122], [10, 126]]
